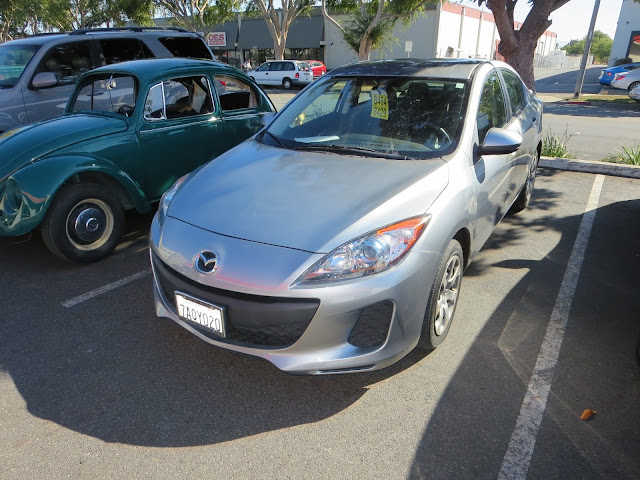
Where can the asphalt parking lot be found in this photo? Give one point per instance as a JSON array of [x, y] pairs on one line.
[[93, 385]]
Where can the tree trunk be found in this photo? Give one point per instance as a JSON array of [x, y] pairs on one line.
[[364, 52], [521, 59], [278, 48]]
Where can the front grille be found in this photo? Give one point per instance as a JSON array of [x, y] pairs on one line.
[[251, 320], [372, 326]]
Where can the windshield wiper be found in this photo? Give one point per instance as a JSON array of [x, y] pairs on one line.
[[352, 150], [277, 139]]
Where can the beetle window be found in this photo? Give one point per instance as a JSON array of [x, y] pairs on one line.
[[234, 94], [492, 111], [188, 96], [154, 104], [106, 93]]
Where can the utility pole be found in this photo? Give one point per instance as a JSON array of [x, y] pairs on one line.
[[585, 54]]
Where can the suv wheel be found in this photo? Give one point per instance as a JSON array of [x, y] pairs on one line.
[[287, 83]]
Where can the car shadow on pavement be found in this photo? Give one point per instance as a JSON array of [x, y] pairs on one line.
[[595, 110], [110, 369], [469, 433]]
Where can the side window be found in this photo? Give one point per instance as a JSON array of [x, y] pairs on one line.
[[154, 104], [187, 96], [275, 67], [515, 91], [117, 50], [492, 111], [189, 47], [263, 68], [234, 94], [289, 66], [177, 98], [67, 61]]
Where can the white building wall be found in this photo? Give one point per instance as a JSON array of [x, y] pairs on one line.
[[449, 31], [628, 22], [421, 32], [337, 52]]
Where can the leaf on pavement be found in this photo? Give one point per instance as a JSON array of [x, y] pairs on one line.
[[588, 413]]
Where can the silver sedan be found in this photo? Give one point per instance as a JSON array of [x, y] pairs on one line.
[[336, 238]]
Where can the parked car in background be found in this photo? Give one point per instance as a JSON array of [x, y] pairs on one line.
[[38, 73], [337, 237], [634, 93], [318, 68], [130, 130], [285, 73], [607, 74], [626, 80]]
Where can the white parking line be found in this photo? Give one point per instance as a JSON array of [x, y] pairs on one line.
[[523, 440], [106, 288]]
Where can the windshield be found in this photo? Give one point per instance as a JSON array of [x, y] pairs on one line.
[[106, 93], [13, 61], [393, 117]]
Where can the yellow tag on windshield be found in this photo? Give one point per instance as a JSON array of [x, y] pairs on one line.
[[380, 106]]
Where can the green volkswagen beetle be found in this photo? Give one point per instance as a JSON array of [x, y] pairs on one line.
[[129, 131]]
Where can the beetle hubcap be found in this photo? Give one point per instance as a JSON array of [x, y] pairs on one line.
[[448, 295], [89, 224]]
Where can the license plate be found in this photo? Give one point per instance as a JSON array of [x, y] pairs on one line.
[[206, 314]]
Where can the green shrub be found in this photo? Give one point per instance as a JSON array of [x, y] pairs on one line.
[[556, 145], [628, 156]]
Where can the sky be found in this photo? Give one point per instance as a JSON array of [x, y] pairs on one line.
[[571, 21]]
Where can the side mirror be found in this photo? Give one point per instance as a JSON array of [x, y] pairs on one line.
[[266, 118], [499, 141], [44, 80]]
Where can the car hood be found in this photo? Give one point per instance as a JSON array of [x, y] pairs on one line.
[[305, 200], [23, 145]]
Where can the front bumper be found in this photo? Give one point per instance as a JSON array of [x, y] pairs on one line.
[[354, 325]]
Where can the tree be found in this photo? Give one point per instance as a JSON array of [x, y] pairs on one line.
[[600, 46], [279, 20], [518, 46], [199, 15], [372, 20]]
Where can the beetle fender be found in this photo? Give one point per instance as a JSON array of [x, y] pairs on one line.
[[39, 182]]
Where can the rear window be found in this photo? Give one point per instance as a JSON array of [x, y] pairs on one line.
[[188, 47], [303, 66]]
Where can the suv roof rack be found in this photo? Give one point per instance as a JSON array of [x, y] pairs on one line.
[[82, 31], [43, 34]]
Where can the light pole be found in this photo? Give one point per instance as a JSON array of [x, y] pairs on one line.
[[585, 54]]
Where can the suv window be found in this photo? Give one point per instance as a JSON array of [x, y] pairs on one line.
[[263, 68], [234, 94], [13, 61], [67, 61], [492, 111], [289, 66], [515, 91], [275, 67], [117, 50], [179, 97], [188, 47]]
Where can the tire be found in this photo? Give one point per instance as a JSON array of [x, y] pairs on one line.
[[84, 223], [633, 85], [524, 197], [287, 84], [443, 297]]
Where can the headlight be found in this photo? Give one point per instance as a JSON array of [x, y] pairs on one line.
[[12, 197], [371, 253], [167, 197]]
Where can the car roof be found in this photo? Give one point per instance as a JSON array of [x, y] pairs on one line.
[[149, 69], [43, 38], [438, 68]]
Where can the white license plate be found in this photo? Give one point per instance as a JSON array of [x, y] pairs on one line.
[[206, 314]]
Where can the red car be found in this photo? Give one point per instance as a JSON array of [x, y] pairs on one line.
[[317, 68]]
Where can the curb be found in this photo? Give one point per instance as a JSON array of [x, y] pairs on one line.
[[588, 166]]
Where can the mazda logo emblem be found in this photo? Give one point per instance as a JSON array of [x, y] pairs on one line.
[[206, 262]]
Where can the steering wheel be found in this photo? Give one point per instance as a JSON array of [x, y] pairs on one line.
[[126, 110], [440, 133]]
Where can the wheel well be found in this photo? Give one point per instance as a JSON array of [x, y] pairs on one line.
[[464, 238], [106, 181]]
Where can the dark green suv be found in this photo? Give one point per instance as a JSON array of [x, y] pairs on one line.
[[129, 132]]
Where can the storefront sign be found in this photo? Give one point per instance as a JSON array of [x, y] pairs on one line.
[[217, 39]]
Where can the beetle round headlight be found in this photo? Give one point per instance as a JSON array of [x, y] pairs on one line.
[[12, 197]]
